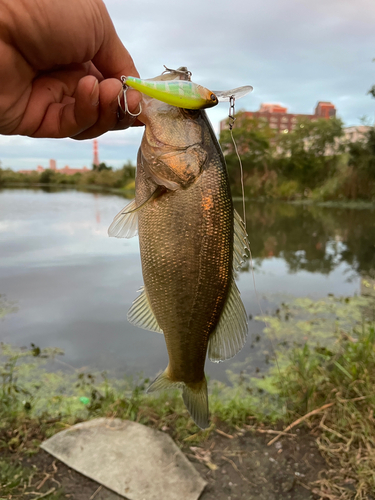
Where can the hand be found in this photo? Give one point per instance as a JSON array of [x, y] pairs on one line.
[[61, 61]]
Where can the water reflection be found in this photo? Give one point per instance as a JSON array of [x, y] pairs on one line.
[[312, 238], [73, 285]]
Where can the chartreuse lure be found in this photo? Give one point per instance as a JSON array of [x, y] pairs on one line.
[[180, 93]]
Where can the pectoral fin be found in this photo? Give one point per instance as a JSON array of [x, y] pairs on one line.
[[230, 334], [140, 314], [125, 224]]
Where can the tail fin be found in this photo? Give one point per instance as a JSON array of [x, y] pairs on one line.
[[196, 401], [194, 395]]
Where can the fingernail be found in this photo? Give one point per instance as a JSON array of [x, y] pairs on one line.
[[94, 96]]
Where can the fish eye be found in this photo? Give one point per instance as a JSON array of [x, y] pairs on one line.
[[213, 97]]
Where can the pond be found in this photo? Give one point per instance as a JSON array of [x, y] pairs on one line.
[[67, 284]]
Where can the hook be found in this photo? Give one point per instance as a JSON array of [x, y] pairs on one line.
[[126, 109]]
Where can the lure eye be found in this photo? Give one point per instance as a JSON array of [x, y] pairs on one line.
[[213, 97]]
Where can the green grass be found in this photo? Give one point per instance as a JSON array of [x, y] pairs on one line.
[[343, 376], [13, 477]]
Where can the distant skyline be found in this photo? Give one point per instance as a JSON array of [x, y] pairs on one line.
[[294, 53]]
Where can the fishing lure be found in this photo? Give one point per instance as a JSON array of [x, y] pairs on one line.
[[180, 93], [175, 87]]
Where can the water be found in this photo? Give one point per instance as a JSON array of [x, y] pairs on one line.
[[72, 285]]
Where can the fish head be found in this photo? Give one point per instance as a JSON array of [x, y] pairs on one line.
[[172, 149]]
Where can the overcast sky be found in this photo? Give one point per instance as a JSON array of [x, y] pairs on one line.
[[293, 52]]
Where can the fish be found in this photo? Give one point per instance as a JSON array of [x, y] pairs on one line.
[[192, 241]]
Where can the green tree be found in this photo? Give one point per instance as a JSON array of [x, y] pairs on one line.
[[253, 139], [128, 172], [47, 176], [309, 154], [102, 166], [362, 154]]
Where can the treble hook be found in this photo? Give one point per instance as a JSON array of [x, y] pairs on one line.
[[126, 109], [184, 72]]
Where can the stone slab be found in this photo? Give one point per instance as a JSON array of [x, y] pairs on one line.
[[130, 459]]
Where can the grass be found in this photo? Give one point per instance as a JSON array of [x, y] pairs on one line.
[[337, 368], [343, 376], [340, 374]]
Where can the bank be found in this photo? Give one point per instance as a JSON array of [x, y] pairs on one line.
[[303, 430]]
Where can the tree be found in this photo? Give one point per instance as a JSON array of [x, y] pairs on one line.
[[128, 172], [102, 166], [362, 154], [253, 140], [47, 176], [309, 153]]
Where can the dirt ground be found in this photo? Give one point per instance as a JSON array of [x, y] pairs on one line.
[[241, 467]]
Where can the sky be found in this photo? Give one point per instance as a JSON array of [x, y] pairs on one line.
[[293, 52]]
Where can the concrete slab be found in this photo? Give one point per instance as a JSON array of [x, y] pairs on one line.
[[132, 460]]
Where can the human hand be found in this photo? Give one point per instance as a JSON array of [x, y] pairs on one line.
[[60, 63]]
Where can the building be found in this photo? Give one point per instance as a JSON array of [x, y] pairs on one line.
[[325, 110], [356, 133], [52, 166], [71, 171], [280, 120]]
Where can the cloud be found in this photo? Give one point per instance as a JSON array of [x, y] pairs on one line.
[[294, 52]]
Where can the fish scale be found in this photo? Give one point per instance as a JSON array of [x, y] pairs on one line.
[[176, 244]]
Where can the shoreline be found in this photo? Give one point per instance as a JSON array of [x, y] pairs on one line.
[[129, 193]]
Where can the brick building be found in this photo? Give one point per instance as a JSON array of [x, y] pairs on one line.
[[279, 119], [52, 166]]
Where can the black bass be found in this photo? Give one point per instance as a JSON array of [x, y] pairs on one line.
[[191, 241]]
